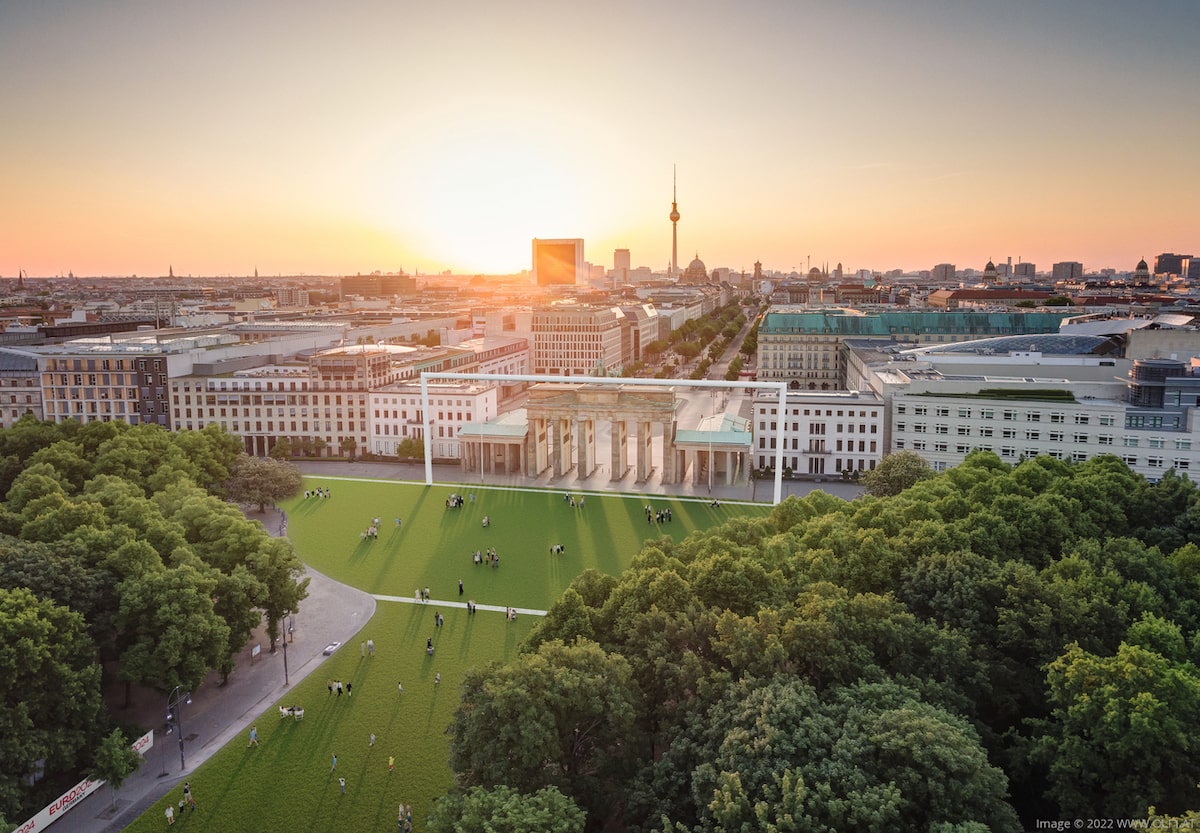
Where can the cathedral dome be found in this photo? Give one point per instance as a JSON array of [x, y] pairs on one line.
[[696, 272], [1142, 266]]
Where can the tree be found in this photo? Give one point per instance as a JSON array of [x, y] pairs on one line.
[[895, 473], [411, 448], [563, 716], [263, 480], [50, 689], [278, 568], [347, 445], [655, 348], [114, 761], [502, 809], [1120, 736], [281, 450], [171, 635], [872, 757]]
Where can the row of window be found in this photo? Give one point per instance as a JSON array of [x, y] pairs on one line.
[[1009, 452], [818, 412], [1007, 414], [1051, 436]]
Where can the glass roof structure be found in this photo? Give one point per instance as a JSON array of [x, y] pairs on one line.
[[1049, 344]]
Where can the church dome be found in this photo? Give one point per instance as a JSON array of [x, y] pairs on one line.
[[696, 271], [991, 267], [1143, 266]]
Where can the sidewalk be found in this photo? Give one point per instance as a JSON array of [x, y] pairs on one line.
[[332, 612]]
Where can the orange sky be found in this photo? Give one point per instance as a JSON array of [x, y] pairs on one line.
[[323, 138]]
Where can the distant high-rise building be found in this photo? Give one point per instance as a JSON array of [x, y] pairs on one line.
[[558, 262], [1067, 270], [1170, 263], [943, 272], [674, 215], [1025, 270], [621, 260]]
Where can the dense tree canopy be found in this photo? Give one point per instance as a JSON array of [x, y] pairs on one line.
[[117, 548], [960, 651]]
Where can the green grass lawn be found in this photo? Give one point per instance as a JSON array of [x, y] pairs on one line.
[[285, 784]]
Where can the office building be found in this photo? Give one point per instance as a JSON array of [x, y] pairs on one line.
[[558, 262], [805, 347], [577, 341], [1067, 270], [943, 273], [1170, 263]]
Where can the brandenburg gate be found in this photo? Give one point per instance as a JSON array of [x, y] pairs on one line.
[[562, 428]]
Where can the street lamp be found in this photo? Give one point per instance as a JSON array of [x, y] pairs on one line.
[[175, 703], [283, 639]]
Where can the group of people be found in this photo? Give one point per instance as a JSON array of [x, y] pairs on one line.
[[187, 802], [405, 821], [489, 555], [510, 613], [320, 492], [421, 595], [487, 521], [455, 501], [338, 686], [557, 549], [568, 498], [661, 516], [372, 531]]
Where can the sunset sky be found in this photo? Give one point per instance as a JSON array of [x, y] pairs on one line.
[[332, 138]]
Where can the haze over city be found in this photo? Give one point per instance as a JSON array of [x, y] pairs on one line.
[[322, 138]]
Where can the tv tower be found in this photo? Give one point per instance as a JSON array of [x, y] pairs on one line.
[[674, 220]]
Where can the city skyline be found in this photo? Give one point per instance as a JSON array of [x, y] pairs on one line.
[[225, 137]]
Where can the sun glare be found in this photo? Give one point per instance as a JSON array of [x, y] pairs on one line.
[[477, 200]]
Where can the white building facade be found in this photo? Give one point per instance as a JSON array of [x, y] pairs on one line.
[[824, 434]]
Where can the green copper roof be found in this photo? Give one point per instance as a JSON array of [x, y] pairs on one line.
[[888, 324]]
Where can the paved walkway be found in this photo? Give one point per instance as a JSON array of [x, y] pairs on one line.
[[333, 612]]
